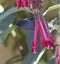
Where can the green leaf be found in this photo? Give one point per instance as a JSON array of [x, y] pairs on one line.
[[32, 58], [4, 25], [29, 59], [53, 1], [29, 39], [54, 7], [54, 32], [6, 33], [11, 11], [51, 61], [14, 59]]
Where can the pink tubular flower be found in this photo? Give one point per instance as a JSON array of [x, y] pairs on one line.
[[46, 39], [45, 27], [34, 43], [26, 3], [23, 3], [46, 36]]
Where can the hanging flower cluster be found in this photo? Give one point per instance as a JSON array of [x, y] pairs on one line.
[[23, 3], [40, 28], [26, 3], [46, 39]]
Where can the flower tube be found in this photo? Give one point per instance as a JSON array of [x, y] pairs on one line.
[[35, 41], [45, 26], [46, 37]]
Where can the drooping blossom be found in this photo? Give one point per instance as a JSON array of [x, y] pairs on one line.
[[46, 39], [23, 3], [26, 3], [40, 28], [35, 40]]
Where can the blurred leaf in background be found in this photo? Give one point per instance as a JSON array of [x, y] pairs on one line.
[[4, 26]]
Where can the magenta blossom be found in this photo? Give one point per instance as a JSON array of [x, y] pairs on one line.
[[26, 3], [23, 3], [41, 29], [46, 39], [19, 3]]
